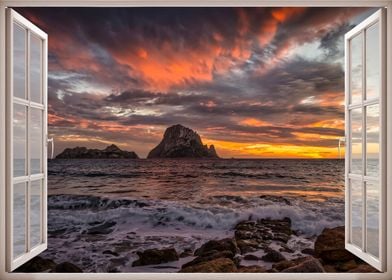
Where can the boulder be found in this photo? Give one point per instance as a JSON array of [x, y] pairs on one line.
[[364, 268], [308, 251], [216, 265], [329, 268], [329, 246], [273, 256], [253, 235], [251, 269], [37, 264], [156, 256], [248, 245], [182, 142], [226, 244], [309, 265], [346, 266], [210, 255], [288, 263], [251, 257], [186, 253], [67, 267], [109, 252]]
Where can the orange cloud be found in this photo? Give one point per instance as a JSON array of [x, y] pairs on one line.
[[286, 13], [253, 122], [279, 15]]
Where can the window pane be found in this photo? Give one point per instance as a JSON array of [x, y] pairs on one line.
[[35, 69], [372, 217], [19, 219], [19, 141], [372, 62], [19, 61], [373, 140], [35, 213], [35, 140], [356, 141], [356, 69], [356, 212]]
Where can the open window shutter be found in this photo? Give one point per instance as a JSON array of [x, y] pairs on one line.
[[26, 140], [365, 173]]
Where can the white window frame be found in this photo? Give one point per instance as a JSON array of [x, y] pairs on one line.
[[4, 275], [379, 263], [32, 251]]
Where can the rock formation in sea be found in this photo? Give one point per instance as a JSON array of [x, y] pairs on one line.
[[111, 152], [182, 142]]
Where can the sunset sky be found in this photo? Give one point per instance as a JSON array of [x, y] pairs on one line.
[[255, 82]]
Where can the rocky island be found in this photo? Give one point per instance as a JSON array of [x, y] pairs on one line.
[[110, 152], [182, 142]]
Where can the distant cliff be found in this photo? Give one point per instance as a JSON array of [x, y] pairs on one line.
[[182, 142], [111, 151]]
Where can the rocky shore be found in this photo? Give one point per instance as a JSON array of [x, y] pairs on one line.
[[257, 247]]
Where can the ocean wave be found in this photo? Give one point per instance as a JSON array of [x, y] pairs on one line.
[[308, 218]]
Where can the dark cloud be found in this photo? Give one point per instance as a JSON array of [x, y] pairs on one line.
[[233, 74]]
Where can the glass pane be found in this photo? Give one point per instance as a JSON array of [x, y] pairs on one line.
[[19, 61], [35, 140], [373, 140], [19, 141], [373, 62], [19, 219], [356, 141], [35, 69], [356, 212], [356, 69], [372, 217], [35, 213]]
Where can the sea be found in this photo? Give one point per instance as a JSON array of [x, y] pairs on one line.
[[182, 203]]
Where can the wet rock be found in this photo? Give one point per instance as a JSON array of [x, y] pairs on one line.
[[364, 268], [186, 253], [109, 252], [286, 248], [253, 235], [252, 269], [215, 265], [67, 267], [329, 268], [308, 251], [248, 245], [346, 266], [288, 263], [37, 264], [251, 257], [208, 256], [273, 256], [104, 228], [309, 265], [156, 256], [329, 246], [227, 244]]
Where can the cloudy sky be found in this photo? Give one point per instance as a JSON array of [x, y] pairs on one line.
[[255, 82]]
